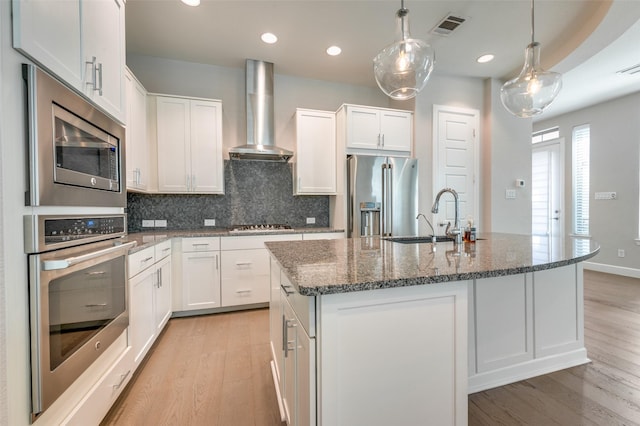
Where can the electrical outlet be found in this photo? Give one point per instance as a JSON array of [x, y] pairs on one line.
[[311, 220], [510, 194], [606, 195], [621, 253], [209, 222], [161, 223], [148, 223]]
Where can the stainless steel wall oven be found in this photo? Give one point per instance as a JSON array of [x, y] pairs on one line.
[[78, 297], [76, 153]]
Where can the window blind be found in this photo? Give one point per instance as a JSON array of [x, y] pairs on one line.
[[581, 142]]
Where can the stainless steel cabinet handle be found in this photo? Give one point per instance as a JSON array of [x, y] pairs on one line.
[[95, 305], [244, 263], [383, 140], [287, 289], [99, 71], [94, 73], [244, 291], [286, 342], [94, 273], [145, 260], [123, 377], [49, 265]]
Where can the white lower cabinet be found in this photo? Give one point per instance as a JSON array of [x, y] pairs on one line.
[[380, 357], [245, 269], [200, 273], [149, 296]]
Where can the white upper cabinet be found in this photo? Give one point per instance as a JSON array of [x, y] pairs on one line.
[[189, 135], [137, 145], [380, 129], [315, 157], [65, 36], [49, 33], [103, 40]]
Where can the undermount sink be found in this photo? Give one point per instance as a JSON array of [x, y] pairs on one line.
[[418, 240]]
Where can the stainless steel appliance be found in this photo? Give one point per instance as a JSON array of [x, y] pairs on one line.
[[382, 194], [78, 297], [76, 153]]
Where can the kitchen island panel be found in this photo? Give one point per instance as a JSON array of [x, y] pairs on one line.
[[393, 356]]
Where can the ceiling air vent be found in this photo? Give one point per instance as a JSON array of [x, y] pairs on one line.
[[448, 25], [633, 69]]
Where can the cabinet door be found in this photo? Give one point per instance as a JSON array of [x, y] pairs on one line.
[[289, 325], [103, 38], [200, 280], [207, 174], [275, 317], [174, 133], [245, 277], [396, 130], [316, 152], [141, 318], [49, 33], [137, 146], [305, 378], [363, 127], [162, 294]]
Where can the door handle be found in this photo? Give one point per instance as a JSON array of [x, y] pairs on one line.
[[49, 265]]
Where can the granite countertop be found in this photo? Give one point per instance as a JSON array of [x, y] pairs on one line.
[[345, 265], [148, 238]]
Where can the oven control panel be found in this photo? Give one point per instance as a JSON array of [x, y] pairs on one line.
[[43, 233]]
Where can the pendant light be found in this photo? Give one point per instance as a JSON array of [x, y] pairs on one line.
[[534, 89], [403, 68]]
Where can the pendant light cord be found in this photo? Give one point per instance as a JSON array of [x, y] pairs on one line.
[[532, 22]]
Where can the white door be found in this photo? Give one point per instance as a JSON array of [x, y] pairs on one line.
[[455, 165], [547, 177]]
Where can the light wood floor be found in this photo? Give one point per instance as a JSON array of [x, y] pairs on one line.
[[214, 371]]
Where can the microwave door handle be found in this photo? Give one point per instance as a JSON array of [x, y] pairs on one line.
[[50, 265]]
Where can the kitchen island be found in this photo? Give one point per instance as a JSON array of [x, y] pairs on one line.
[[369, 331]]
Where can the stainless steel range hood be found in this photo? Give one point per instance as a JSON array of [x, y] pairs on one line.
[[259, 104]]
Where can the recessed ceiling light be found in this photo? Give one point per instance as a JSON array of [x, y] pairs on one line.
[[269, 38], [334, 50], [485, 58], [191, 2]]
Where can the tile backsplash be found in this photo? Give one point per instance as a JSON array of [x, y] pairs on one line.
[[255, 192]]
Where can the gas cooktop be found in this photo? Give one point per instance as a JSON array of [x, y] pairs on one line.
[[264, 227]]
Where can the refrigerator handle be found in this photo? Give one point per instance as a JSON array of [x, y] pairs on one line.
[[390, 198], [383, 205]]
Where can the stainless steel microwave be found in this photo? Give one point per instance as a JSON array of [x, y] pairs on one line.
[[76, 152]]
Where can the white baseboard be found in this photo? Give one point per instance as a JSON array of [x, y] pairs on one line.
[[526, 370], [612, 269]]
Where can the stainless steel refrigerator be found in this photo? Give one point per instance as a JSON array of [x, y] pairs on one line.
[[382, 194]]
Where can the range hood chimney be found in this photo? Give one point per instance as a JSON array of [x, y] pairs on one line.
[[259, 106]]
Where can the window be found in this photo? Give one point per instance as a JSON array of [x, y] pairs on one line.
[[545, 135], [581, 141]]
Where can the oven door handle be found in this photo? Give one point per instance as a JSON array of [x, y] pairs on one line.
[[50, 265]]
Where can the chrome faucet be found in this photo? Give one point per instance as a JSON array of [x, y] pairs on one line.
[[433, 232], [456, 232]]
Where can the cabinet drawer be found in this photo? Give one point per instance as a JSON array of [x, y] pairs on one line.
[[200, 244], [101, 397], [304, 306], [141, 260], [254, 241], [162, 250], [245, 277]]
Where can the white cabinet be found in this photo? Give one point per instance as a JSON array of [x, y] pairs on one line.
[[315, 157], [103, 38], [149, 296], [245, 272], [189, 137], [322, 235], [379, 129], [80, 41], [141, 315], [200, 273], [137, 155]]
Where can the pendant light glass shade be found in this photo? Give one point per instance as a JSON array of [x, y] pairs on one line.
[[403, 68], [534, 89]]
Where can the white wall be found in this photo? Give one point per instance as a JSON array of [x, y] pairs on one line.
[[615, 158], [14, 321], [506, 157], [228, 84]]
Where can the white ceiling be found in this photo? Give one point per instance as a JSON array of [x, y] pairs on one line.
[[586, 40]]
